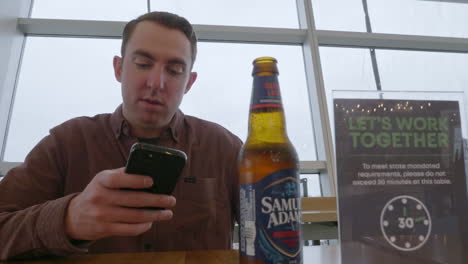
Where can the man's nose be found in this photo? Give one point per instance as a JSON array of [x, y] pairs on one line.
[[156, 78]]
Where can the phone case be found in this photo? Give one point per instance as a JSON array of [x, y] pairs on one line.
[[163, 164]]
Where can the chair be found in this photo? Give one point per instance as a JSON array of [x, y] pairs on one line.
[[319, 218]]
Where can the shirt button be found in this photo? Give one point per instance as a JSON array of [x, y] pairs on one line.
[[148, 246]]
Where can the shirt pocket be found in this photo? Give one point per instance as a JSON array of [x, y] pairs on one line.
[[196, 204], [198, 189]]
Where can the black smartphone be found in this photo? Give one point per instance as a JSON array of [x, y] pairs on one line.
[[163, 164]]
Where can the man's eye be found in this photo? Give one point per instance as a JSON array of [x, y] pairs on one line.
[[176, 69], [142, 65]]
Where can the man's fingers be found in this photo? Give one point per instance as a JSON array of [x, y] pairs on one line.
[[127, 215], [115, 179], [127, 198], [124, 229]]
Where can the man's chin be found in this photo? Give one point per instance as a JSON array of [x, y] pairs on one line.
[[157, 121], [153, 122]]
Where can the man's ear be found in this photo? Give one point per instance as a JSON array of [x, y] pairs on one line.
[[192, 79], [118, 68]]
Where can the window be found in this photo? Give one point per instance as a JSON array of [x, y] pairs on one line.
[[443, 18], [258, 13], [422, 71], [339, 15], [62, 78], [404, 71], [419, 17], [112, 10], [426, 72], [225, 75], [345, 69], [310, 185]]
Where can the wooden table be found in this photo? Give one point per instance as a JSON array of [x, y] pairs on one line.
[[312, 254]]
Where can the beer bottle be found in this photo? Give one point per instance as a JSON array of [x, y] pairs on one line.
[[270, 222]]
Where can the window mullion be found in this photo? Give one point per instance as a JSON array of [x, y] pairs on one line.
[[317, 97]]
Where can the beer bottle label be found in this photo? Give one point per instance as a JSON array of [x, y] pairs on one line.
[[270, 219], [266, 92]]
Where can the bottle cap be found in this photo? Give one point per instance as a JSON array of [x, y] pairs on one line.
[[265, 64]]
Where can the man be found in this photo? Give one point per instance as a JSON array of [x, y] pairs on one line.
[[67, 196]]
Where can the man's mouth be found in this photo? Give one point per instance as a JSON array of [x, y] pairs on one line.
[[152, 101]]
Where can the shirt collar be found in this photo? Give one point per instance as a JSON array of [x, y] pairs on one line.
[[176, 125], [121, 128]]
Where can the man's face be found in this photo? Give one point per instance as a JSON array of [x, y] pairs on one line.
[[155, 75]]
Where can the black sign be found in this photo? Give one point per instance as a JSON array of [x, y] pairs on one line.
[[402, 189]]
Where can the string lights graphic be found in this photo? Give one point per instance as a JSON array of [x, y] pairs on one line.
[[413, 107]]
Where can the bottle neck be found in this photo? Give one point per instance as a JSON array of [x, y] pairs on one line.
[[266, 119]]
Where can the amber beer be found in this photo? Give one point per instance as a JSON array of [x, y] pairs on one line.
[[270, 225]]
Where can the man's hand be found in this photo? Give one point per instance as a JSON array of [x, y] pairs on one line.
[[104, 210]]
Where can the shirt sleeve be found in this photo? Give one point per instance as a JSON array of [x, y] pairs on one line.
[[33, 206]]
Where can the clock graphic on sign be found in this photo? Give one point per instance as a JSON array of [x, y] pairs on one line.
[[405, 223]]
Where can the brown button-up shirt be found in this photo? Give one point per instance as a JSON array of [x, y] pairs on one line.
[[34, 196]]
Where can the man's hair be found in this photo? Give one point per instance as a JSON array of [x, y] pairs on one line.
[[166, 19]]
